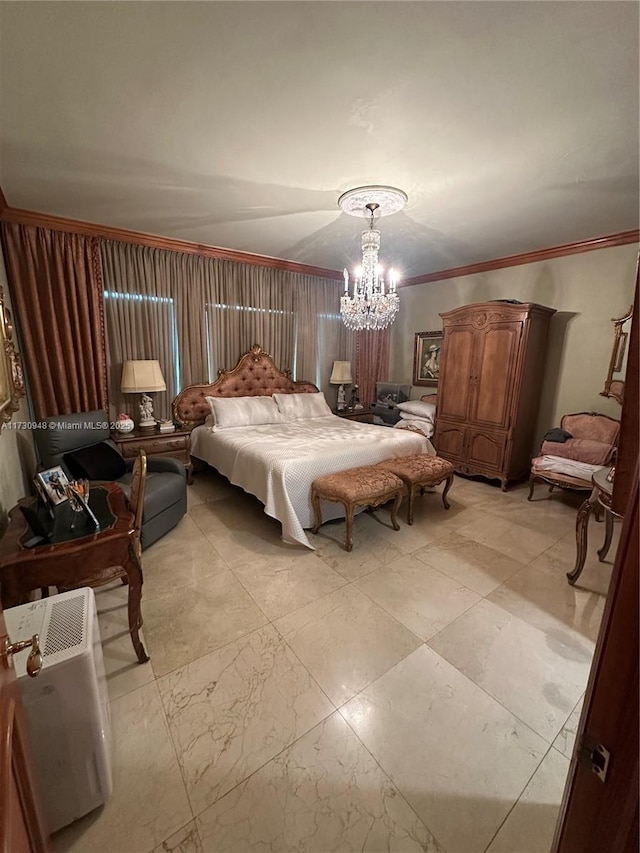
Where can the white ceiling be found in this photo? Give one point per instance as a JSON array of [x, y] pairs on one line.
[[512, 126]]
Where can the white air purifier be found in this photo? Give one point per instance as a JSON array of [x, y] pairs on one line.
[[66, 704]]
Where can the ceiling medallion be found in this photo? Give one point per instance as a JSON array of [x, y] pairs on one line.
[[373, 304]]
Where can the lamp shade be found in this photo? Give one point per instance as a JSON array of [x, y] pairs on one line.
[[141, 376], [341, 373]]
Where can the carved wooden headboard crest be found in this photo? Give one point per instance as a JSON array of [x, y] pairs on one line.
[[255, 375]]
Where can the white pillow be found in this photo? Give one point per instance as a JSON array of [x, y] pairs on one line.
[[295, 407], [243, 411], [429, 419], [416, 424], [419, 409]]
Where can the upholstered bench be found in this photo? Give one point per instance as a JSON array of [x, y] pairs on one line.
[[420, 472], [366, 486]]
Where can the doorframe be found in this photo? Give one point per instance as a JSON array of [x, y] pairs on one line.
[[597, 816]]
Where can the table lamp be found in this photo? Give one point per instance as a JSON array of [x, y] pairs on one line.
[[141, 377], [341, 375]]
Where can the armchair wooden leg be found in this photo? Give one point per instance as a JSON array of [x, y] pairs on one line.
[[532, 482]]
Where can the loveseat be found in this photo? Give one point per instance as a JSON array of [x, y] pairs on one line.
[[570, 454]]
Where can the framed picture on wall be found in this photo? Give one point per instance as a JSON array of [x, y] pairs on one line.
[[426, 358]]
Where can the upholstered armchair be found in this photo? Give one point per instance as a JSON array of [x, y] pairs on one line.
[[585, 442], [83, 439]]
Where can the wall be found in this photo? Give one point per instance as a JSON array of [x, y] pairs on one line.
[[587, 290], [17, 458]]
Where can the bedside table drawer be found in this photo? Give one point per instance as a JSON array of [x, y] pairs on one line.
[[364, 416], [154, 446], [181, 455], [169, 444]]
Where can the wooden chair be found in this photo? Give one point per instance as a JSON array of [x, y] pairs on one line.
[[136, 499], [135, 502]]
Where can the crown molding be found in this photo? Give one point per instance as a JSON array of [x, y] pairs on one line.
[[123, 235], [90, 229], [621, 239]]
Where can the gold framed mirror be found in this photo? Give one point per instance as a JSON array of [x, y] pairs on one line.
[[11, 374], [614, 384]]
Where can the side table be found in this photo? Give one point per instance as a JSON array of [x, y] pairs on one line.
[[156, 443], [600, 495], [75, 556]]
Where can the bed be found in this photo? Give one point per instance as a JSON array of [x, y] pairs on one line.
[[277, 461]]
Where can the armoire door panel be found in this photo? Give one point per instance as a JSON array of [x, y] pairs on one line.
[[494, 376], [455, 386], [486, 449], [449, 440]]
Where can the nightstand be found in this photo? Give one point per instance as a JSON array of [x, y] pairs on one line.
[[156, 443], [390, 415], [365, 416]]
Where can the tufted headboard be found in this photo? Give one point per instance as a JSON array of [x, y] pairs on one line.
[[255, 375]]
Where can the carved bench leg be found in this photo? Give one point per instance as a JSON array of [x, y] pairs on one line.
[[396, 507], [447, 486], [348, 543], [410, 496], [317, 509]]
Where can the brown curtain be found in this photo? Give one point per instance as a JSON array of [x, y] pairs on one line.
[[372, 362], [56, 290]]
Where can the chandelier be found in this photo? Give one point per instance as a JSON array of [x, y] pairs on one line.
[[373, 303]]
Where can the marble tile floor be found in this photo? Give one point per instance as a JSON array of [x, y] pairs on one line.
[[420, 693]]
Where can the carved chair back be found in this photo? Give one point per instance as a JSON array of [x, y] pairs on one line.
[[136, 498]]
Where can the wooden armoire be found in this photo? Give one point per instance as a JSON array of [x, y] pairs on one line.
[[491, 370]]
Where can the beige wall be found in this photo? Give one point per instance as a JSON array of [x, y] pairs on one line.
[[17, 460], [586, 290]]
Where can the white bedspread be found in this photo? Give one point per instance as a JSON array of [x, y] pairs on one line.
[[278, 462]]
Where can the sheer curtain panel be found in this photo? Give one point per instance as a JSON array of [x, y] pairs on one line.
[[197, 314], [321, 337], [140, 320]]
